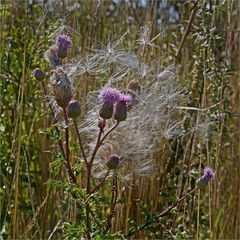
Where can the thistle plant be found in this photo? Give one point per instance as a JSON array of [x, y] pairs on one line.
[[118, 134]]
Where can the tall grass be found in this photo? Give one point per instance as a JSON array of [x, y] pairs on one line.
[[202, 39]]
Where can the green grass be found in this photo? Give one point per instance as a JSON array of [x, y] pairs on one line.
[[205, 48]]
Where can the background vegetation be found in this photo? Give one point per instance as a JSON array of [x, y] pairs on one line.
[[200, 37]]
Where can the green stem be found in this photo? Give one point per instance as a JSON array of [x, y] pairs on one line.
[[60, 144], [162, 214], [113, 202], [80, 142], [99, 185], [89, 172], [68, 165]]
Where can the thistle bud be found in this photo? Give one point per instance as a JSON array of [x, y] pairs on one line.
[[134, 86], [113, 161], [74, 109], [120, 112], [39, 74], [207, 176], [101, 123], [108, 97]]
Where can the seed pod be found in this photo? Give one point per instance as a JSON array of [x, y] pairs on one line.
[[51, 56], [61, 87]]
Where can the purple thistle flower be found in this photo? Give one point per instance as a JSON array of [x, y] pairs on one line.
[[209, 172], [127, 98], [63, 41], [110, 95], [130, 19], [207, 176], [120, 113]]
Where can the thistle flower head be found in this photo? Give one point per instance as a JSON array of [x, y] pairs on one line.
[[125, 98], [120, 112], [209, 172], [63, 41], [39, 74], [207, 176], [109, 95]]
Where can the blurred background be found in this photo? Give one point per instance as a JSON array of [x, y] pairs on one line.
[[201, 37]]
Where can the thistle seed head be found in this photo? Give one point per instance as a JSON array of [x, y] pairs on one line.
[[62, 52], [61, 87], [52, 57]]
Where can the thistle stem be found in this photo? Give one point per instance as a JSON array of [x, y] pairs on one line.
[[60, 144], [97, 146], [113, 202], [162, 214], [99, 185], [80, 142], [89, 170], [99, 142], [109, 132], [68, 165]]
